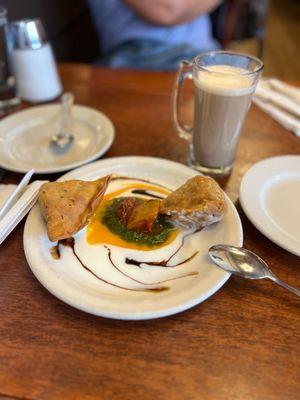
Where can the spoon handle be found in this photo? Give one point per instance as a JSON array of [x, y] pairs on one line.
[[67, 101], [285, 285]]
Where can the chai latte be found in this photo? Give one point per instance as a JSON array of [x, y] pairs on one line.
[[222, 99]]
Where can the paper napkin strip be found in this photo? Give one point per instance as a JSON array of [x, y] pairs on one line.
[[286, 120], [281, 102], [265, 92], [19, 210], [5, 192]]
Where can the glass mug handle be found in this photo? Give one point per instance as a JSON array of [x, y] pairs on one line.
[[185, 71]]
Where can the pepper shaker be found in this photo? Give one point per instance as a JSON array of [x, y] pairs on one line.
[[33, 61]]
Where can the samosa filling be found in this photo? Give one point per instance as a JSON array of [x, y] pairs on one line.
[[136, 220]]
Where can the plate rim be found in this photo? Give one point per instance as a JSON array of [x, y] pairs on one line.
[[125, 315], [110, 139], [250, 210]]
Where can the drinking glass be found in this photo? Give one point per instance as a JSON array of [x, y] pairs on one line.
[[8, 97], [224, 83]]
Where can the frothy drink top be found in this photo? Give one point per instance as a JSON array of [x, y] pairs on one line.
[[224, 80]]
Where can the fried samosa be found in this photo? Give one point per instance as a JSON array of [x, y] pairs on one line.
[[68, 206], [197, 203]]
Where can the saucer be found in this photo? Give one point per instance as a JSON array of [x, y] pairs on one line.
[[269, 196], [25, 137]]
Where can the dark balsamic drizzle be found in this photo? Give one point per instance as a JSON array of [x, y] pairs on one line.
[[55, 253], [145, 192], [146, 283], [164, 263], [71, 242]]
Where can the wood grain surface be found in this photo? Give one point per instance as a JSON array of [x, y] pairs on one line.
[[241, 344]]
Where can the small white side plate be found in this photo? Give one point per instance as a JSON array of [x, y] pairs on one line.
[[75, 286], [25, 137], [270, 197]]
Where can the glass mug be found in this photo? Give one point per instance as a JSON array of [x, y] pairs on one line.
[[224, 84]]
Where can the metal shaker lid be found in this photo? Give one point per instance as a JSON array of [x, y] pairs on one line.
[[27, 34]]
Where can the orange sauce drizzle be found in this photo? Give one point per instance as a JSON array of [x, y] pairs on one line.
[[98, 233]]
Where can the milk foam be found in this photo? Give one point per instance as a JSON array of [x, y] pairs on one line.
[[224, 80]]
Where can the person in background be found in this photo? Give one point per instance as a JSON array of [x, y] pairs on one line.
[[152, 34]]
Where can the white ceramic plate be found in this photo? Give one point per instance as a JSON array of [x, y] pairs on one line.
[[65, 279], [270, 197], [24, 139]]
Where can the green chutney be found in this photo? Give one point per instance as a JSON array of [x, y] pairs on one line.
[[159, 234]]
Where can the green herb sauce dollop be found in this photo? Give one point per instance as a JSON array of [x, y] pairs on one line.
[[160, 232]]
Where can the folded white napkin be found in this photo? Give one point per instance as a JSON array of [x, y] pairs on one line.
[[282, 117], [281, 102], [17, 193], [265, 92], [288, 90], [20, 209], [5, 192]]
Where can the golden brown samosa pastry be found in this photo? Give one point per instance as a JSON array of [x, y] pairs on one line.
[[68, 206], [197, 203]]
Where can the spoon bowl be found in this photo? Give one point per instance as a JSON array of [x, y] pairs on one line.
[[244, 263], [239, 261]]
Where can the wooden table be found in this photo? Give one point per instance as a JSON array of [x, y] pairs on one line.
[[242, 343]]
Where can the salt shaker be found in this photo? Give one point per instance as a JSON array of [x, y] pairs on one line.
[[33, 61]]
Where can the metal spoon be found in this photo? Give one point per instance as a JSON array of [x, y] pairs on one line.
[[244, 263], [62, 140]]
